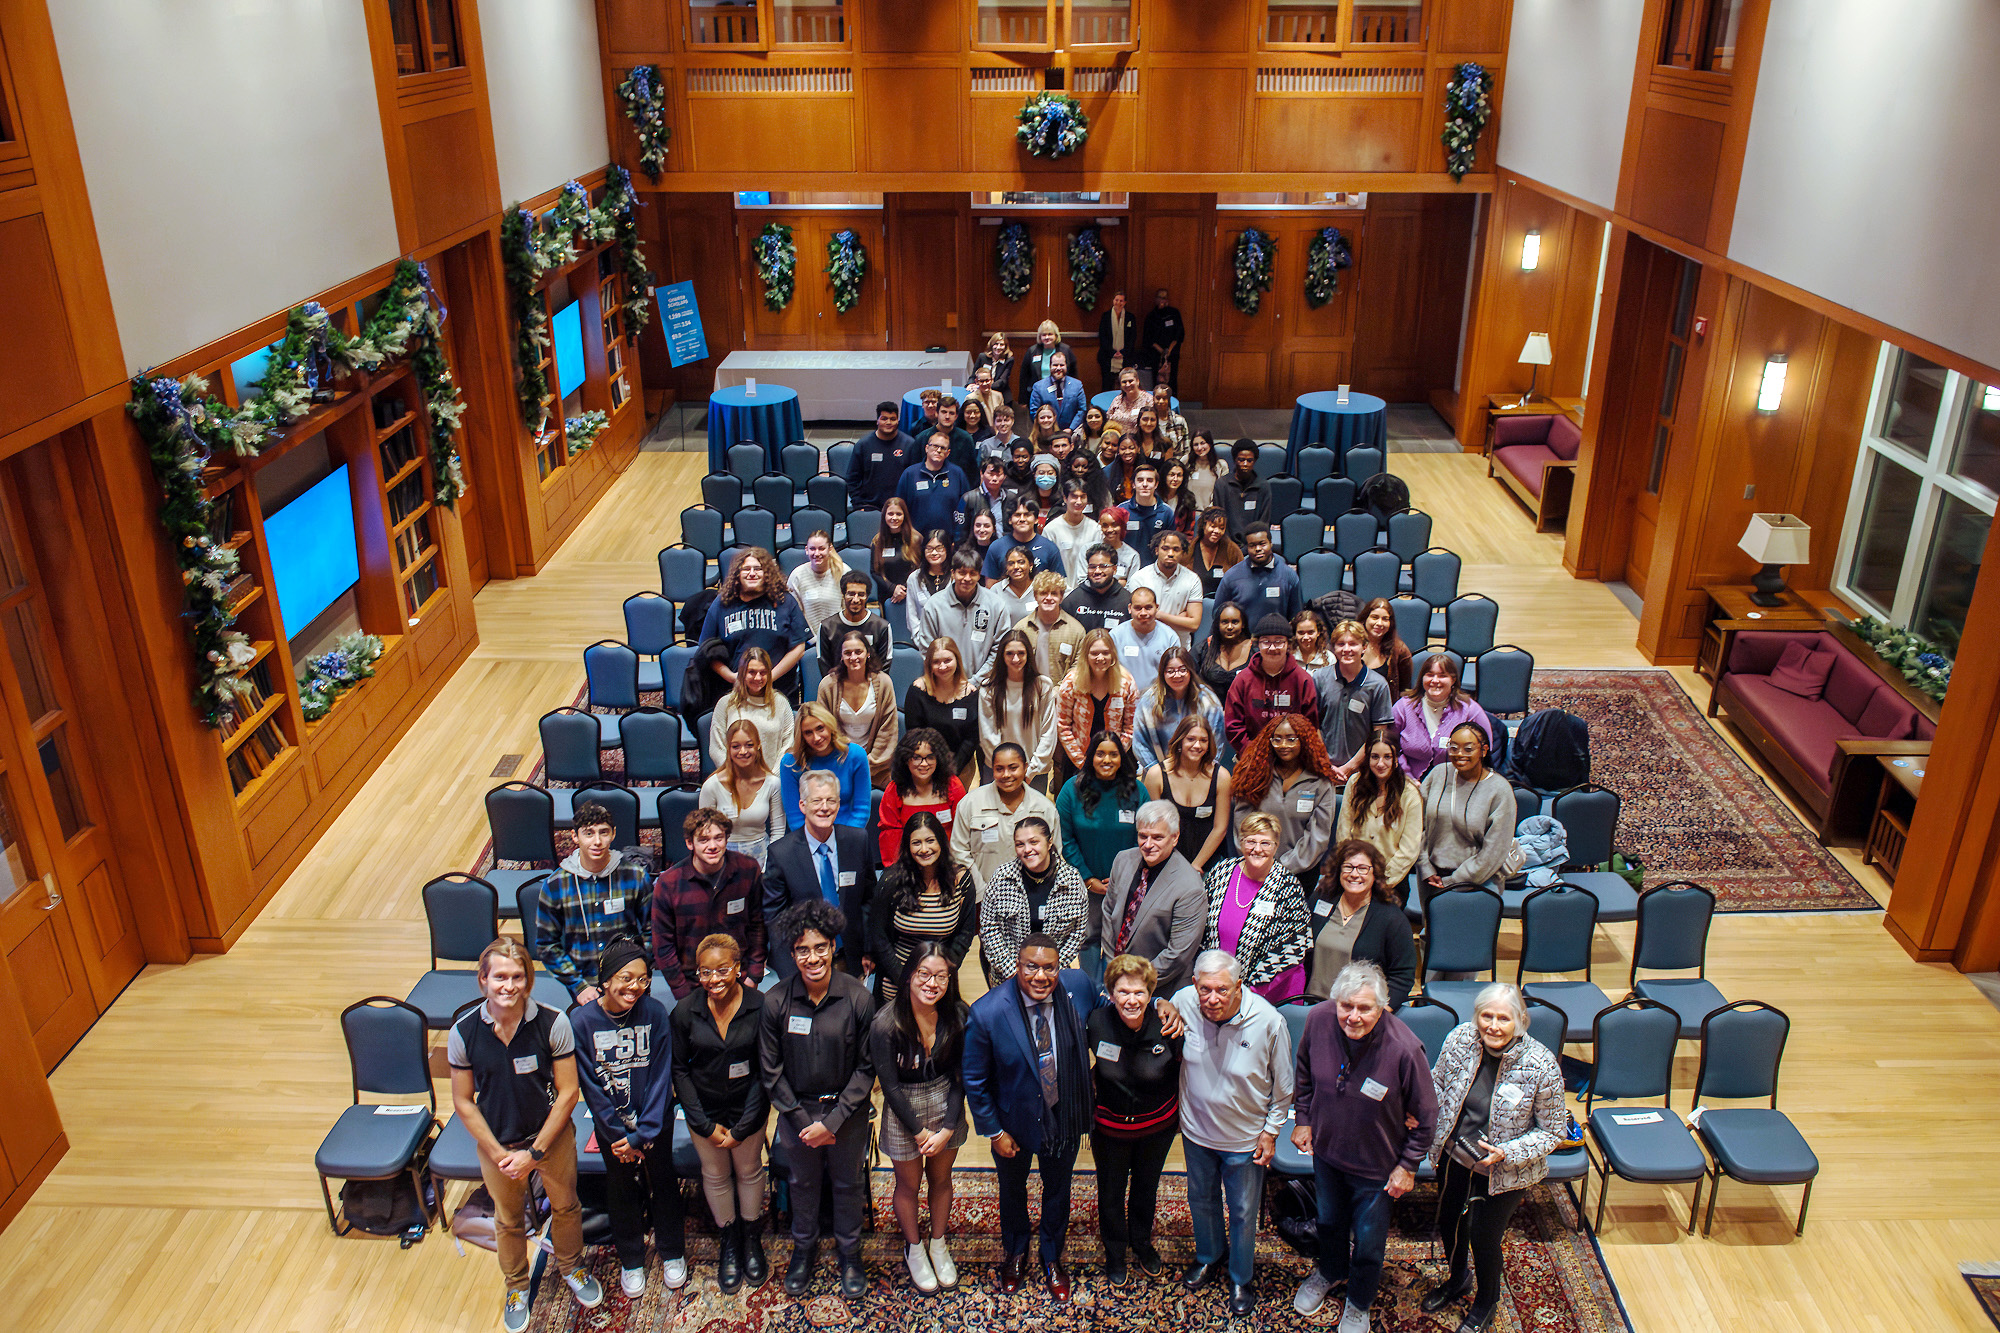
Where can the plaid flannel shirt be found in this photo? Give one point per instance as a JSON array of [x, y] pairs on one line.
[[688, 906], [572, 923]]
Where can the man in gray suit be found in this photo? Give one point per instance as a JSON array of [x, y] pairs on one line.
[[1157, 906]]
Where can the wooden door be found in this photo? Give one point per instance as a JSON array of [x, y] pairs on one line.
[[865, 327], [65, 922], [1243, 370], [1655, 351], [1317, 345]]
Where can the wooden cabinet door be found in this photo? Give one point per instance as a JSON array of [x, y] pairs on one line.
[[865, 327], [65, 923]]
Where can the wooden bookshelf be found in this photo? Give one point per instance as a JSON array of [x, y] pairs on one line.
[[408, 491]]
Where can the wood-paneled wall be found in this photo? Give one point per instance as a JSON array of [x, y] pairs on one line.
[[1201, 104]]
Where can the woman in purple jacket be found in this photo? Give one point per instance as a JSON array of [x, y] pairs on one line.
[[1425, 716]]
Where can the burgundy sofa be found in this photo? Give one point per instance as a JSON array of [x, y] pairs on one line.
[[1811, 741], [1535, 457]]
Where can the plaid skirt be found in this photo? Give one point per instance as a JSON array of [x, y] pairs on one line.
[[930, 1101]]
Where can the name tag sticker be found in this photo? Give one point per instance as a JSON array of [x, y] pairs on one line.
[[1355, 705], [1066, 648], [1305, 804], [1281, 701], [1270, 592], [799, 1025], [1374, 1091], [1249, 504], [1131, 652], [958, 715], [1322, 909], [741, 1069], [989, 835], [1263, 907], [614, 905], [526, 1064], [923, 485], [1125, 816], [1131, 525], [875, 458], [1106, 1050], [1509, 1095], [944, 815], [1203, 811], [847, 879], [734, 905]]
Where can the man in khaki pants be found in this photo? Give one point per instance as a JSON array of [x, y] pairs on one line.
[[513, 1084]]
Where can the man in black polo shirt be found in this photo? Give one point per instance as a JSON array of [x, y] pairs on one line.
[[513, 1085], [878, 460]]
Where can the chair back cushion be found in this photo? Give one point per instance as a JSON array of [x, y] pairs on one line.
[[1754, 653]]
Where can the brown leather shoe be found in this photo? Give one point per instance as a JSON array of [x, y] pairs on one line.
[[1058, 1280], [1011, 1272]]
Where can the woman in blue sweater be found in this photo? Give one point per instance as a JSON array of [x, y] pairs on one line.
[[624, 1056], [820, 745]]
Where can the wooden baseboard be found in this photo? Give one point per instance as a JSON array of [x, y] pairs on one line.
[[1910, 946], [11, 1206]]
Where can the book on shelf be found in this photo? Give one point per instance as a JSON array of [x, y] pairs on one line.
[[421, 585], [221, 513], [255, 755], [237, 588], [407, 498], [413, 541], [399, 451]]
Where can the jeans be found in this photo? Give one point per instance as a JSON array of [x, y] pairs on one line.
[[510, 1199], [1471, 1218], [1351, 1209], [1058, 1163], [645, 1192], [1121, 1217], [846, 1163], [1215, 1181]]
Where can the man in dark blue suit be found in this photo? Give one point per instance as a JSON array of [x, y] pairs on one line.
[[821, 859], [1027, 1077]]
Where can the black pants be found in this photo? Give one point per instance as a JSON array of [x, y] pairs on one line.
[[1123, 1218], [1468, 1216], [643, 1192], [844, 1164], [1016, 1228]]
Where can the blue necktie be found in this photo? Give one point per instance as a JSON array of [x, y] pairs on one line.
[[827, 889]]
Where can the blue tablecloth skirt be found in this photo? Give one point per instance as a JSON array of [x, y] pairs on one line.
[[771, 419], [1359, 423], [913, 406]]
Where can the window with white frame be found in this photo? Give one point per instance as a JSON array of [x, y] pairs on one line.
[[1925, 484]]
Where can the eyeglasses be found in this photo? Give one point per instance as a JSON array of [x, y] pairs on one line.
[[1461, 749], [812, 951], [714, 973], [1040, 969]]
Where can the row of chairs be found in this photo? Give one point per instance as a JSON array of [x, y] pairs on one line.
[[800, 464]]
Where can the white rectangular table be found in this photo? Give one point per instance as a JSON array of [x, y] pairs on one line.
[[844, 386]]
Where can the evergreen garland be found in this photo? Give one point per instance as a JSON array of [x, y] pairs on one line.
[[1468, 105], [847, 265], [582, 431], [1052, 125], [525, 262], [1014, 259], [622, 205], [1086, 266], [333, 673], [1325, 257], [1255, 251], [777, 258], [1922, 663], [644, 95]]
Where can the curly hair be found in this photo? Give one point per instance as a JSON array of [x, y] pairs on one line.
[[814, 914], [899, 763], [1251, 778], [774, 577]]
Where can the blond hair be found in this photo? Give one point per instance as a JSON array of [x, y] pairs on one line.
[[957, 668], [744, 724], [1049, 326], [1258, 822], [1349, 629], [1079, 675], [813, 712], [1131, 965], [1049, 581], [514, 952]]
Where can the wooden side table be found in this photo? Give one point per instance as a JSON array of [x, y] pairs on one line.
[[1895, 811], [1730, 609]]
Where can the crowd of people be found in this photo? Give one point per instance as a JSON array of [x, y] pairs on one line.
[[1155, 837]]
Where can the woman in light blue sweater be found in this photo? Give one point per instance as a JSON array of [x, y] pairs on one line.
[[819, 745]]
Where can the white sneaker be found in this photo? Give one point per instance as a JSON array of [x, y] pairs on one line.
[[632, 1281], [920, 1268], [1353, 1319], [941, 1263], [514, 1314], [674, 1272], [1312, 1293], [584, 1287]]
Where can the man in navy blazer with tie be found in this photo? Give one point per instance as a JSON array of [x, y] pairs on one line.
[[821, 859]]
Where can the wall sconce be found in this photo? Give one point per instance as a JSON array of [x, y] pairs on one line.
[[1991, 402], [1771, 391], [1531, 251]]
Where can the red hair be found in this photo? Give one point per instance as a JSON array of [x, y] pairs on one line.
[[1251, 778]]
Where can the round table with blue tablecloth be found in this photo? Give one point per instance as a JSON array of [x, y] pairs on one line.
[[913, 406], [770, 418], [1322, 419], [1103, 401]]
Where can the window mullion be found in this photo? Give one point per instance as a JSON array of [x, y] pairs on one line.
[[1917, 552]]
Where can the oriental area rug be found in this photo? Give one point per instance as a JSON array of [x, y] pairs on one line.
[[1556, 1281], [1693, 808]]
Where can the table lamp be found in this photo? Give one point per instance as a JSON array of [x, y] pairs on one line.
[[1774, 540], [1534, 352]]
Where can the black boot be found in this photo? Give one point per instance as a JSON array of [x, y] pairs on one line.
[[729, 1263], [756, 1268], [1115, 1268], [1478, 1320], [1448, 1292], [799, 1272]]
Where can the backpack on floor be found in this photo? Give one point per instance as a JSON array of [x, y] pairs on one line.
[[1294, 1211], [389, 1207], [1551, 751]]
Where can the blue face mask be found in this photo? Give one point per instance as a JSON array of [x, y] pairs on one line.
[[1045, 483]]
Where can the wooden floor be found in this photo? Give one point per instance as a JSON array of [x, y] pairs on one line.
[[188, 1200]]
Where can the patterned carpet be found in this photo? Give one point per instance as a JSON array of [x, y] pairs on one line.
[[1556, 1282], [1693, 808], [1984, 1279]]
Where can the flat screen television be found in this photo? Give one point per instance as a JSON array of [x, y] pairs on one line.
[[568, 334], [313, 554]]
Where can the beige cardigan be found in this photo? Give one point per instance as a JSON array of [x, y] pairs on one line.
[[881, 742], [1399, 846]]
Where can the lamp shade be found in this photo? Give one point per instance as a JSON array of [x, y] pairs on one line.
[[1536, 351], [1777, 539]]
